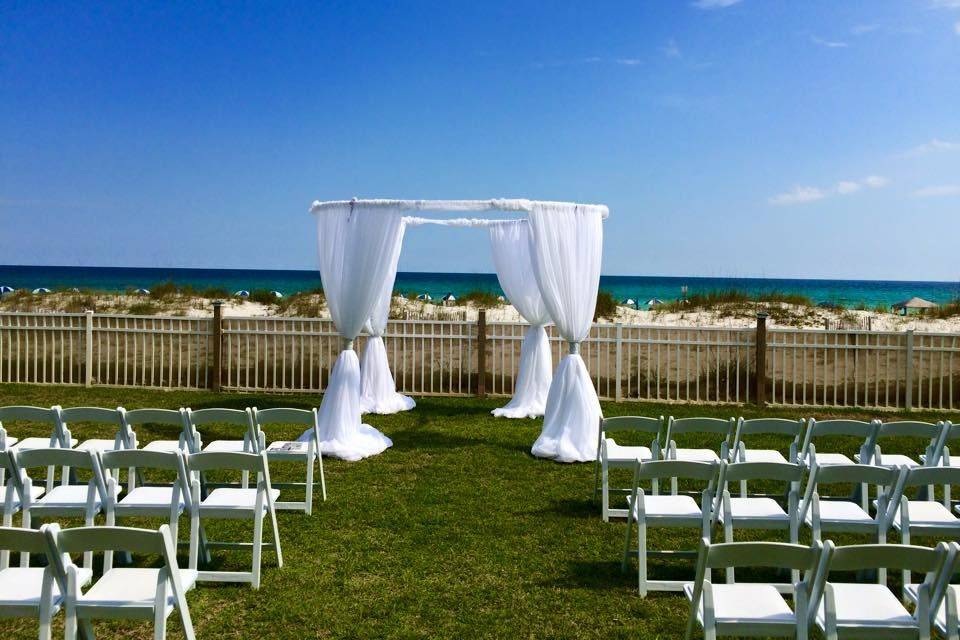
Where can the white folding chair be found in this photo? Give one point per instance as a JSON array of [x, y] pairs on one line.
[[306, 453], [945, 616], [866, 432], [65, 500], [941, 454], [130, 593], [239, 419], [611, 455], [165, 501], [760, 512], [234, 504], [188, 439], [13, 489], [32, 592], [925, 516], [35, 415], [667, 511], [123, 438], [751, 609], [862, 609], [847, 515], [906, 431], [793, 429], [715, 426]]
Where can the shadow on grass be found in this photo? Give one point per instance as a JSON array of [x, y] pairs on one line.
[[602, 575]]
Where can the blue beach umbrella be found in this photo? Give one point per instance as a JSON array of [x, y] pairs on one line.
[[425, 297], [41, 290], [243, 293], [5, 289], [144, 292], [277, 294]]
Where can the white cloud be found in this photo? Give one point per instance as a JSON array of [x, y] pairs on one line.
[[830, 44], [860, 29], [956, 28], [845, 186], [933, 146], [671, 50], [629, 62], [938, 191], [714, 4], [946, 4], [800, 195]]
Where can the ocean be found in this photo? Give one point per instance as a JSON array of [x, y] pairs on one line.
[[639, 288]]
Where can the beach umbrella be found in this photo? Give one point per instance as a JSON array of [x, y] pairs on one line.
[[630, 302], [425, 297], [449, 298], [652, 302], [916, 303], [243, 293], [75, 290], [277, 294], [41, 290], [6, 289], [501, 299], [144, 292]]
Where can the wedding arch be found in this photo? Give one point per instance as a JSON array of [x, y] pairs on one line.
[[548, 264]]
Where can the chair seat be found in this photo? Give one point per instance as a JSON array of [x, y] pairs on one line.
[[235, 446], [764, 509], [746, 603], [287, 449], [840, 512], [21, 586], [166, 446], [697, 455], [131, 588], [35, 492], [239, 499], [668, 507], [762, 455], [891, 460], [150, 498], [824, 459], [624, 453], [10, 440], [928, 513], [867, 605], [37, 443], [70, 496], [97, 444]]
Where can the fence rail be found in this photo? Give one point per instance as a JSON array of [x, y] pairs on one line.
[[810, 367]]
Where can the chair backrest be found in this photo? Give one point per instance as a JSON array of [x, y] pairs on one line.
[[911, 429], [66, 458], [166, 417], [642, 424], [760, 554], [656, 469], [82, 539], [18, 540], [719, 426], [926, 476], [887, 556], [285, 415], [781, 471], [238, 417], [23, 413], [92, 414], [854, 474], [852, 428], [210, 460], [141, 459]]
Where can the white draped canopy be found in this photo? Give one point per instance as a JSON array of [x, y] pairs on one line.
[[548, 266]]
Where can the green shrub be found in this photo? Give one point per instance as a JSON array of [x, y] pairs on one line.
[[143, 309], [480, 299], [606, 306], [163, 290], [263, 296], [214, 293]]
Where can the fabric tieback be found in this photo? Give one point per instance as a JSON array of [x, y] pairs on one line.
[[574, 348], [347, 344]]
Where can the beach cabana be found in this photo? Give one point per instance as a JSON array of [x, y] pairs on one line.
[[548, 264], [918, 305]]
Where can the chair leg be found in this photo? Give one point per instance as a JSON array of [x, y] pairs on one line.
[[245, 479], [25, 523], [194, 537], [309, 497], [882, 571], [323, 481], [642, 559], [728, 537], [86, 629], [605, 492], [159, 623], [257, 547]]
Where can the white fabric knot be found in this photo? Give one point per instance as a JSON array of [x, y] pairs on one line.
[[574, 348], [347, 344]]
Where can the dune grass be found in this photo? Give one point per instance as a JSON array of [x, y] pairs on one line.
[[456, 531]]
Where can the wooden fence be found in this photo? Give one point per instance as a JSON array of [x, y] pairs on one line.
[[835, 368]]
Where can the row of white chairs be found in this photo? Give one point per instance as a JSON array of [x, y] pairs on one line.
[[103, 494], [733, 436], [840, 606], [251, 426], [918, 515], [137, 593]]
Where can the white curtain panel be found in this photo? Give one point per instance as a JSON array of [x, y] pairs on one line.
[[566, 244], [359, 248], [378, 389], [510, 242]]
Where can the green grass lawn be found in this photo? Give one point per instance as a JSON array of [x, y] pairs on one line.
[[456, 531]]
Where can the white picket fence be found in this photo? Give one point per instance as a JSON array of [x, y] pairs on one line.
[[835, 368]]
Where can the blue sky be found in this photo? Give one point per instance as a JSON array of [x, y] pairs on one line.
[[729, 138]]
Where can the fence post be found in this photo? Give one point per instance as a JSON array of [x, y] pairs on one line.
[[908, 395], [482, 353], [217, 345], [619, 389], [88, 352], [760, 375]]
